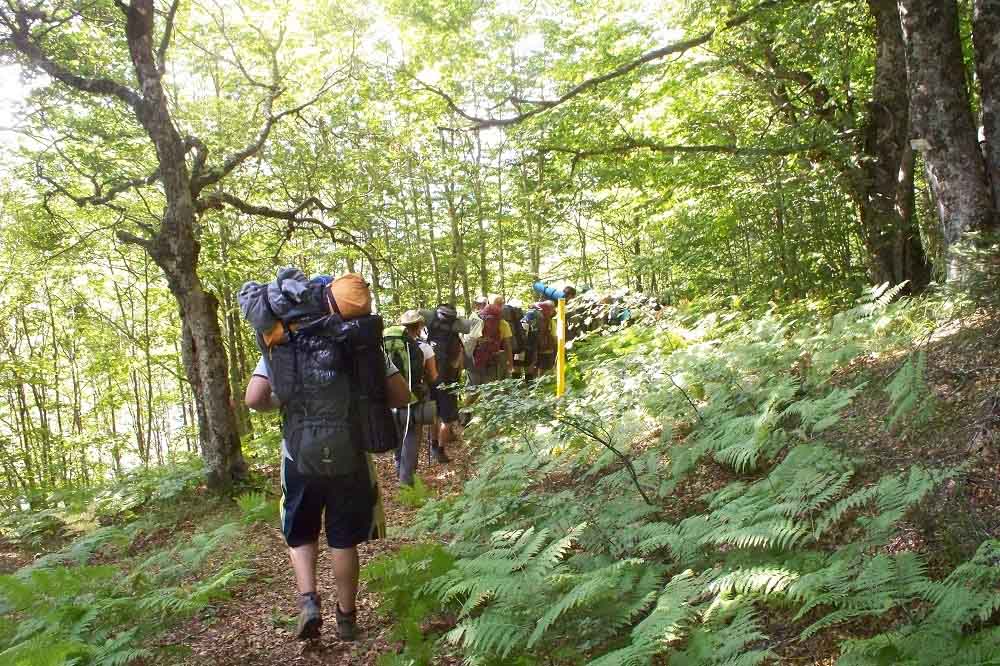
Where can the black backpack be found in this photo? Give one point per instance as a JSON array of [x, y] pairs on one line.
[[330, 378], [309, 375], [513, 315], [446, 344], [365, 358]]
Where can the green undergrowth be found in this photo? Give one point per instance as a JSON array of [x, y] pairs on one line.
[[694, 498], [140, 555]]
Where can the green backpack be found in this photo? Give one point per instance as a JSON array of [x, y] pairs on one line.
[[405, 354]]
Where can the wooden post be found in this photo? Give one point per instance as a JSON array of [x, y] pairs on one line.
[[561, 348]]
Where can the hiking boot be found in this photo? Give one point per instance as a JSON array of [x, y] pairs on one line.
[[310, 617], [347, 625], [439, 456]]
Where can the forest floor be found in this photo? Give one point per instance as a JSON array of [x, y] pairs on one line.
[[255, 627]]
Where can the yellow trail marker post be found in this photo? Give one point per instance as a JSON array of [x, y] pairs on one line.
[[561, 348]]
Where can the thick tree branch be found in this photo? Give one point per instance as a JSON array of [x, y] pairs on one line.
[[540, 106], [654, 146], [132, 239], [19, 21], [216, 200]]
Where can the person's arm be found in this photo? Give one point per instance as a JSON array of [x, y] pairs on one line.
[[259, 397], [396, 391], [431, 370], [507, 333]]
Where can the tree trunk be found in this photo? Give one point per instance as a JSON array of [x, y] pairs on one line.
[[430, 231], [419, 265], [175, 250], [986, 37], [205, 366], [500, 235], [459, 266], [484, 280], [885, 198], [236, 375], [941, 118]]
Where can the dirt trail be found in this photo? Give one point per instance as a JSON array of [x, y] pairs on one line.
[[255, 627]]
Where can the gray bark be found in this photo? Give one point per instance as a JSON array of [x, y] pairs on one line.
[[986, 37], [886, 200], [941, 117]]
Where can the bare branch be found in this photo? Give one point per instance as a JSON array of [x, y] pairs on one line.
[[100, 196], [654, 146], [220, 23], [300, 213], [295, 217], [540, 106], [168, 30], [233, 160]]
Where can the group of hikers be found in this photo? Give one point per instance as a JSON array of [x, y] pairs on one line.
[[433, 348], [348, 386]]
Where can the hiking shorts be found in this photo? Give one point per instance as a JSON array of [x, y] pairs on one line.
[[447, 404], [545, 361], [346, 506]]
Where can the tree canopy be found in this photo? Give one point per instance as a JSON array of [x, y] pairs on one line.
[[157, 155]]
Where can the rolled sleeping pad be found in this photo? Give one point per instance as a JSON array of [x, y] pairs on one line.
[[549, 292]]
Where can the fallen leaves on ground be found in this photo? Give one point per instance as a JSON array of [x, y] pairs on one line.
[[255, 627]]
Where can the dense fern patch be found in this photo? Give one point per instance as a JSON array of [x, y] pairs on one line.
[[688, 487], [100, 599]]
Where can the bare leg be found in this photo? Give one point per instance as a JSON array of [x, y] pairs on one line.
[[304, 563], [444, 433], [346, 569]]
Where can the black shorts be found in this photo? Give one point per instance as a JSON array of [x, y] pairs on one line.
[[348, 504], [545, 360], [447, 404]]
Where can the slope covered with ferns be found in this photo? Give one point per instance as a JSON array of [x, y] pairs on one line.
[[715, 489]]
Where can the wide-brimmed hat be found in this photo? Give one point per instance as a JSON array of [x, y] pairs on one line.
[[411, 317]]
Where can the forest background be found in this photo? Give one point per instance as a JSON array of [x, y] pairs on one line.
[[155, 156]]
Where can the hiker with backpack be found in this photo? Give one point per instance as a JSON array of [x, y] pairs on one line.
[[444, 331], [323, 366], [514, 316], [488, 348], [416, 362], [541, 338]]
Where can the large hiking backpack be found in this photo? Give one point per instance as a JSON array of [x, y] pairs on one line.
[[405, 354], [489, 344], [513, 316], [545, 341], [446, 343], [308, 373], [328, 373]]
